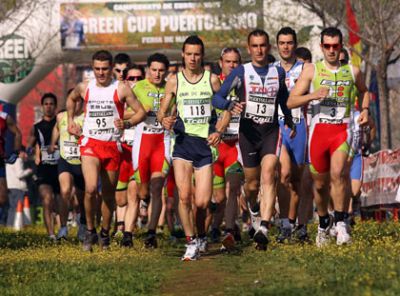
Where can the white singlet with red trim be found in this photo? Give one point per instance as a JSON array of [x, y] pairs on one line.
[[102, 107]]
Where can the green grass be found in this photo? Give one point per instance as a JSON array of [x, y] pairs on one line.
[[29, 265]]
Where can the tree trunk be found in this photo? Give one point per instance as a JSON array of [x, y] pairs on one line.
[[385, 136]]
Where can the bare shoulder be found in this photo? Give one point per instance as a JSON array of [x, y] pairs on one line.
[[308, 70], [81, 88], [214, 78]]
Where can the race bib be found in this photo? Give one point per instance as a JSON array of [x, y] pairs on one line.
[[198, 111], [331, 114], [49, 158], [152, 126], [71, 150], [129, 136], [258, 109]]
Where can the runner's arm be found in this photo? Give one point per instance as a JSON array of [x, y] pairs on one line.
[[364, 94], [12, 127], [165, 104], [139, 112], [55, 134], [233, 81], [299, 95], [72, 99]]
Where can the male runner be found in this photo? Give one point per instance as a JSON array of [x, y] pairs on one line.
[[46, 162], [122, 62], [228, 172], [293, 153], [7, 123], [195, 134], [104, 100], [150, 155], [328, 86], [261, 87], [69, 169]]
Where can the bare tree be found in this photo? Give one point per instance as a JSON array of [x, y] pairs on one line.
[[377, 20]]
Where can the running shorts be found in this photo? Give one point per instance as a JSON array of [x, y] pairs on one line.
[[74, 169], [253, 149], [296, 147], [2, 168], [356, 168], [107, 152], [126, 168], [48, 175], [324, 140], [228, 162]]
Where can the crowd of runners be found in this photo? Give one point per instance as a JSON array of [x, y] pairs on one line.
[[262, 143]]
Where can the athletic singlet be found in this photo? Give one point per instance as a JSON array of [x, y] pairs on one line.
[[69, 147], [3, 128], [291, 78], [232, 131], [43, 130], [149, 95], [336, 108], [193, 100], [102, 107]]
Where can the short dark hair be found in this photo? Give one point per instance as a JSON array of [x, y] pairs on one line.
[[346, 56], [331, 32], [226, 50], [49, 95], [122, 58], [271, 58], [158, 57], [137, 67], [193, 40], [303, 53], [287, 31], [102, 55], [257, 32]]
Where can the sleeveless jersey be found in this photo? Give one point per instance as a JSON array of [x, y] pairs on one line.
[[69, 147], [193, 102], [291, 77], [260, 96], [3, 129], [336, 108], [149, 96], [102, 107], [43, 130]]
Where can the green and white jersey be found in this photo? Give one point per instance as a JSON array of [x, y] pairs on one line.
[[195, 116], [337, 107], [69, 147]]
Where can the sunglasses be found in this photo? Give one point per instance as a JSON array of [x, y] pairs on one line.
[[334, 46], [134, 78], [119, 70]]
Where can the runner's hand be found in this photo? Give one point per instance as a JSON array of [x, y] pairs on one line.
[[119, 124], [52, 148], [74, 129], [321, 93], [363, 118], [214, 139], [236, 107], [168, 122]]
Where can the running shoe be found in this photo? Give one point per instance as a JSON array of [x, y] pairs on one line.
[[323, 237], [228, 242], [90, 240], [343, 236], [236, 233], [62, 233], [52, 238], [300, 234], [255, 218], [202, 244], [81, 232], [285, 234], [104, 241], [192, 251], [215, 235], [261, 238], [127, 240], [150, 242]]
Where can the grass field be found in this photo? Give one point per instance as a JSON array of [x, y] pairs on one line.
[[29, 265]]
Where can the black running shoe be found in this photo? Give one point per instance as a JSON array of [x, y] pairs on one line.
[[150, 242], [127, 240], [104, 241], [90, 239], [215, 235]]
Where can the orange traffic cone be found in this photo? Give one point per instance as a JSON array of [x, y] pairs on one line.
[[27, 211], [18, 219]]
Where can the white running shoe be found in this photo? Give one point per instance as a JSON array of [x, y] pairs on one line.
[[192, 251], [343, 236], [202, 244], [333, 231], [62, 233], [255, 218], [261, 238], [323, 237]]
